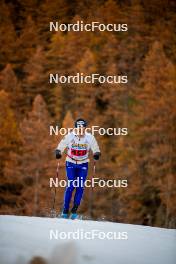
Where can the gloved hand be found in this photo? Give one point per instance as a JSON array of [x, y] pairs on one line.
[[96, 155], [58, 154]]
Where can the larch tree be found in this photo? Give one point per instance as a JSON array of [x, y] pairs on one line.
[[27, 41], [9, 135], [84, 97], [51, 11], [134, 45], [68, 121], [10, 83], [156, 133], [35, 163], [36, 81], [57, 102], [110, 12], [9, 141], [65, 50], [8, 37]]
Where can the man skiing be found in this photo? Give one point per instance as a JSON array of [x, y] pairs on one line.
[[77, 146]]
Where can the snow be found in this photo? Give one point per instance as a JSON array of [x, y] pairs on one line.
[[24, 238]]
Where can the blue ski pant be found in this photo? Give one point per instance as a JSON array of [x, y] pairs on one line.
[[79, 173]]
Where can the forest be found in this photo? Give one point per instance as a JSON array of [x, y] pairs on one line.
[[145, 105]]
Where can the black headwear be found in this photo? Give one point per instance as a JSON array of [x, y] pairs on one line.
[[80, 123]]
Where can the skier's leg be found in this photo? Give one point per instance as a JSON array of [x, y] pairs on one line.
[[81, 172], [71, 175]]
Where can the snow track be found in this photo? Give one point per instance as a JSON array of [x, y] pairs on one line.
[[23, 239]]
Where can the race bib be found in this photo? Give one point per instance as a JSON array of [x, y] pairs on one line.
[[78, 152]]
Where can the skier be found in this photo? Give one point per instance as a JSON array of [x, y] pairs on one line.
[[77, 145]]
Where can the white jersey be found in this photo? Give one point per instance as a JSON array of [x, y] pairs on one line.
[[78, 147]]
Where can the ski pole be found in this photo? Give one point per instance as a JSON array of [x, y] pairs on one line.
[[54, 196], [91, 192]]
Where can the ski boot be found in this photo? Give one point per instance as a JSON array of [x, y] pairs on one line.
[[74, 215], [65, 214]]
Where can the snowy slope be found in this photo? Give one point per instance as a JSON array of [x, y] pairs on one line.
[[23, 238]]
